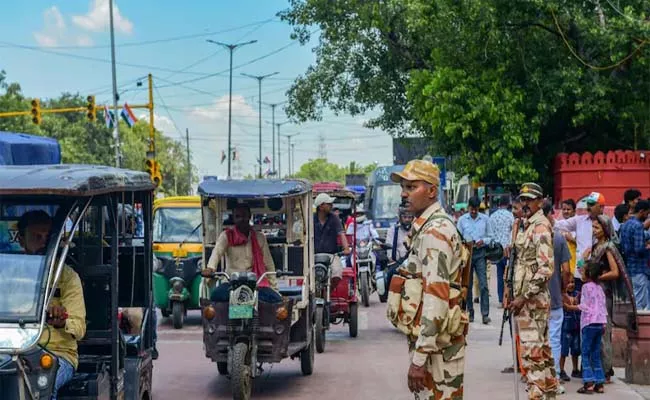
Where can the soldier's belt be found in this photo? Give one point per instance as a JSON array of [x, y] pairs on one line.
[[409, 275]]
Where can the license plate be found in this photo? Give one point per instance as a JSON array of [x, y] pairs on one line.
[[240, 312]]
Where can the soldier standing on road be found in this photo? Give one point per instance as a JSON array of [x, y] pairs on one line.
[[436, 326], [531, 304]]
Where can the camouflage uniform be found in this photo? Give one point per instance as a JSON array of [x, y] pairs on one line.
[[438, 338], [533, 270]]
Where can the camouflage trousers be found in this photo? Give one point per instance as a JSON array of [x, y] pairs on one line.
[[536, 355], [444, 378]]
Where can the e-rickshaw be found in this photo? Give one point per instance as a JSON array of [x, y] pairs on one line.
[[177, 247], [242, 334], [340, 304], [88, 236]]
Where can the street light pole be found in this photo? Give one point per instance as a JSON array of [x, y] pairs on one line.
[[279, 124], [232, 48], [273, 125], [260, 78], [290, 165], [116, 123]]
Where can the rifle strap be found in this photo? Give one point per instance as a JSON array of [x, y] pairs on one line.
[[395, 238]]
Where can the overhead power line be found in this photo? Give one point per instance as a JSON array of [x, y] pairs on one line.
[[163, 40], [269, 54]]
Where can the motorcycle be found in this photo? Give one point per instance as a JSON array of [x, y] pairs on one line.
[[325, 313]]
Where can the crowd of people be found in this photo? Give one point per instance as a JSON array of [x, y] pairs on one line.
[[592, 253]]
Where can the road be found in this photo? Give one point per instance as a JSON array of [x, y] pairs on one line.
[[371, 366]]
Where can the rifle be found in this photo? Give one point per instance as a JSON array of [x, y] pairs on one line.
[[509, 278], [466, 274]]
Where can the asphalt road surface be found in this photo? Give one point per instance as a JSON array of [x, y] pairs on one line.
[[371, 366]]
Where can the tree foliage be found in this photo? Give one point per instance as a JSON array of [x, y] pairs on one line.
[[320, 170], [83, 142], [501, 85]]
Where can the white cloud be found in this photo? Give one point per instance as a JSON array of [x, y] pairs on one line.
[[44, 40], [97, 19], [53, 28], [219, 110], [162, 123], [84, 41]]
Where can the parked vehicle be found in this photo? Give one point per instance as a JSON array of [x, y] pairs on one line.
[[177, 238], [88, 235], [244, 333]]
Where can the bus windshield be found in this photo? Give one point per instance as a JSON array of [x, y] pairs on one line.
[[175, 225], [387, 201]]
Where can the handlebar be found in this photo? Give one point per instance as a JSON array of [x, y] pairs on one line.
[[279, 274]]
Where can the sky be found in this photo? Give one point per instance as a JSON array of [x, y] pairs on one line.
[[55, 46]]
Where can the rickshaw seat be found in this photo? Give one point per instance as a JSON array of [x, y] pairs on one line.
[[294, 292], [323, 258]]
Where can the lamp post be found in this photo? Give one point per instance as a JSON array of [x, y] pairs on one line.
[[232, 48], [260, 78]]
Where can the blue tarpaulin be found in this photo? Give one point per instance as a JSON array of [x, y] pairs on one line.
[[23, 149]]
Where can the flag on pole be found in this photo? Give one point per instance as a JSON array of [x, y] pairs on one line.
[[267, 160], [128, 116], [223, 156], [108, 117], [235, 155]]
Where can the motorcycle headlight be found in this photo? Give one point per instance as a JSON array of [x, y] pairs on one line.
[[243, 295], [42, 382], [321, 273], [178, 286]]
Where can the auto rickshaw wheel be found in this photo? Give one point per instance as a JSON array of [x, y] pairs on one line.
[[178, 314], [222, 367], [319, 329], [353, 324], [307, 357], [365, 290], [242, 381]]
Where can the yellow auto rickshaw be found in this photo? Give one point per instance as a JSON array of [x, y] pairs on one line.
[[177, 248]]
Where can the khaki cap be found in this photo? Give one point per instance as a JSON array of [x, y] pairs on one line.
[[418, 170]]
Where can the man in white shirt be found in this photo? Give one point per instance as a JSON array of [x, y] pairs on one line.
[[581, 226]]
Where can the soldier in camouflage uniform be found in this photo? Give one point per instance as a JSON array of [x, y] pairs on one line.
[[435, 324], [531, 304]]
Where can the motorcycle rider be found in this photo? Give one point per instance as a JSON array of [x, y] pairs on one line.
[[396, 235], [365, 229], [327, 229]]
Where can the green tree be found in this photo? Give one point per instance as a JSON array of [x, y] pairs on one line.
[[320, 170], [503, 86]]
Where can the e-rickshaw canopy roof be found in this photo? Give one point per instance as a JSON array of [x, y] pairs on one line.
[[70, 180], [253, 189]]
